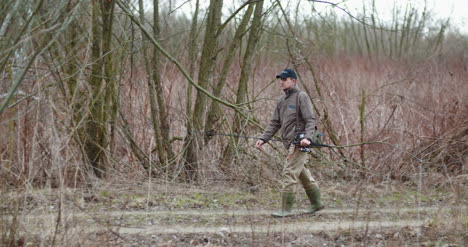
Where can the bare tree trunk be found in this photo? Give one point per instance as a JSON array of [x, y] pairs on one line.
[[111, 101], [396, 31], [366, 38], [151, 95], [419, 29], [215, 110], [254, 37], [96, 139], [94, 136], [192, 59], [207, 62], [362, 120], [374, 28], [163, 113], [356, 36]]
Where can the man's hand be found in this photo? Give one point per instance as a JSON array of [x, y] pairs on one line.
[[259, 144], [305, 142]]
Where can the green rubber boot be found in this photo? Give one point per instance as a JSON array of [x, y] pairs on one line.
[[287, 201], [314, 197]]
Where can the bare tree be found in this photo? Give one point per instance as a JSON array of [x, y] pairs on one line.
[[159, 112], [100, 86], [205, 77], [163, 112], [214, 113], [193, 40], [242, 90]]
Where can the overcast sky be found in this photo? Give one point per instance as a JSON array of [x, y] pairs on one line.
[[457, 10]]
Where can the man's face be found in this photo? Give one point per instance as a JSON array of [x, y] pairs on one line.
[[287, 83]]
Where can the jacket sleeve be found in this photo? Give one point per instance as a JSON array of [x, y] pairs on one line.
[[307, 112], [273, 126]]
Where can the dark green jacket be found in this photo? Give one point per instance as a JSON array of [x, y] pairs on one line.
[[284, 117]]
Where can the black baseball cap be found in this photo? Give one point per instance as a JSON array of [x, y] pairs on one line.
[[287, 73]]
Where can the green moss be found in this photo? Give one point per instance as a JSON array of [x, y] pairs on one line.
[[396, 196], [136, 196], [105, 193]]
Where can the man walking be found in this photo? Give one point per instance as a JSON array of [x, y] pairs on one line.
[[293, 115]]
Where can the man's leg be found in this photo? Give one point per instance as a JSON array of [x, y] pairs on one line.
[[312, 190], [293, 168]]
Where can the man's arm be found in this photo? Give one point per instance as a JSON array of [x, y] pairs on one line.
[[273, 126], [271, 129]]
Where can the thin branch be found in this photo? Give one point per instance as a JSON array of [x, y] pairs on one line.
[[179, 66], [222, 26], [18, 81], [336, 5]]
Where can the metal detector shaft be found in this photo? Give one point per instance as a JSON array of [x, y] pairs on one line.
[[277, 140]]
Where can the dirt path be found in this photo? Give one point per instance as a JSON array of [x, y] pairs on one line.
[[239, 227], [201, 212], [208, 221], [268, 212], [281, 227]]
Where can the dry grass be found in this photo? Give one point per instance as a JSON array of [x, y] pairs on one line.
[[418, 108], [138, 213]]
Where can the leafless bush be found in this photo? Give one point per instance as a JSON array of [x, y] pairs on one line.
[[414, 105]]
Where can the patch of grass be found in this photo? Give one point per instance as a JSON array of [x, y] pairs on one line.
[[212, 200], [393, 197], [105, 193]]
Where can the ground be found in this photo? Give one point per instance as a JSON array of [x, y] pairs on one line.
[[152, 214]]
